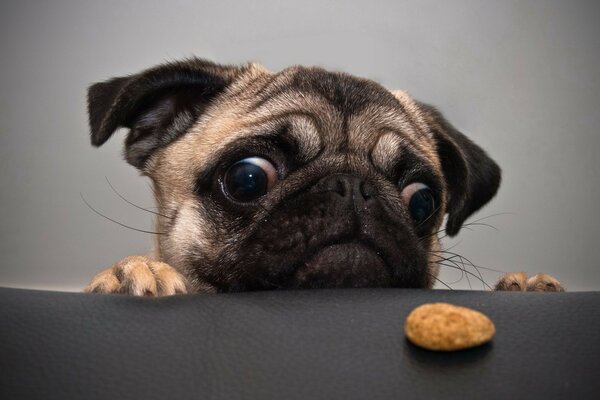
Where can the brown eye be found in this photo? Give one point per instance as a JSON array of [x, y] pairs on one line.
[[249, 179], [420, 201]]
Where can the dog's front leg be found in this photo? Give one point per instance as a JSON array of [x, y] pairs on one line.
[[139, 276]]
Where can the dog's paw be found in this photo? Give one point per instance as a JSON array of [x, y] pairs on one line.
[[512, 282], [544, 283], [519, 282], [139, 276]]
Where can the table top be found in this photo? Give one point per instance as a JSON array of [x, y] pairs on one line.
[[308, 344]]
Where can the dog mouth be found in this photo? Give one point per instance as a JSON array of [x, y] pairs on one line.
[[350, 264], [323, 240]]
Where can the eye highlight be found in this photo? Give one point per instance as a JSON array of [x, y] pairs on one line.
[[420, 201], [249, 179]]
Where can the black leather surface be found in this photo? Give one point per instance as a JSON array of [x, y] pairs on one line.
[[327, 344]]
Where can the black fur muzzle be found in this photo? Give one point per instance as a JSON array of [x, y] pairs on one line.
[[337, 234]]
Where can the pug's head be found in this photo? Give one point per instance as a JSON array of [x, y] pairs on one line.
[[299, 179]]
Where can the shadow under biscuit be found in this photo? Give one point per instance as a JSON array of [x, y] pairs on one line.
[[448, 360]]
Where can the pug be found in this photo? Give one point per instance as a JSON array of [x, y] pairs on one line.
[[303, 178]]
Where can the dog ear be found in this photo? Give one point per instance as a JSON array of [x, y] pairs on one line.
[[157, 105], [472, 177]]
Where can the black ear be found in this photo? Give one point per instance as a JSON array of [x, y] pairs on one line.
[[157, 105], [472, 177]]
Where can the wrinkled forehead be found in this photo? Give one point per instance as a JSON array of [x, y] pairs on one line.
[[347, 94], [346, 109], [323, 112]]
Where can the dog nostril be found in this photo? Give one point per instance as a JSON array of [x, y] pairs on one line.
[[347, 186], [336, 183]]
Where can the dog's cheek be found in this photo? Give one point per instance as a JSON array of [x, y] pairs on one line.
[[433, 260], [189, 234]]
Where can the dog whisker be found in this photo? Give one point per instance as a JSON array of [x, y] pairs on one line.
[[456, 265], [451, 260], [467, 274], [462, 276], [440, 281], [461, 260], [117, 222], [480, 224], [493, 215], [467, 225], [458, 261], [430, 216], [456, 255], [431, 235], [133, 204]]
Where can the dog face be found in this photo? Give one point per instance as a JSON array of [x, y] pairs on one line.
[[299, 179]]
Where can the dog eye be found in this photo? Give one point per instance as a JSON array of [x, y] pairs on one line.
[[249, 179], [420, 200]]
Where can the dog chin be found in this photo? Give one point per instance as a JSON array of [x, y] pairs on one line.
[[347, 265]]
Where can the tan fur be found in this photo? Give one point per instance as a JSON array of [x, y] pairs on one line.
[[423, 138], [518, 281], [230, 119], [139, 276], [375, 135], [543, 283], [513, 281], [434, 260]]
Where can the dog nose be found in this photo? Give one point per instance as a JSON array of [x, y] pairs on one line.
[[348, 186]]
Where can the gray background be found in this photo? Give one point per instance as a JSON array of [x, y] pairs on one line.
[[520, 78]]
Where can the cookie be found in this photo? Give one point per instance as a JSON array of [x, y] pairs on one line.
[[446, 327]]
